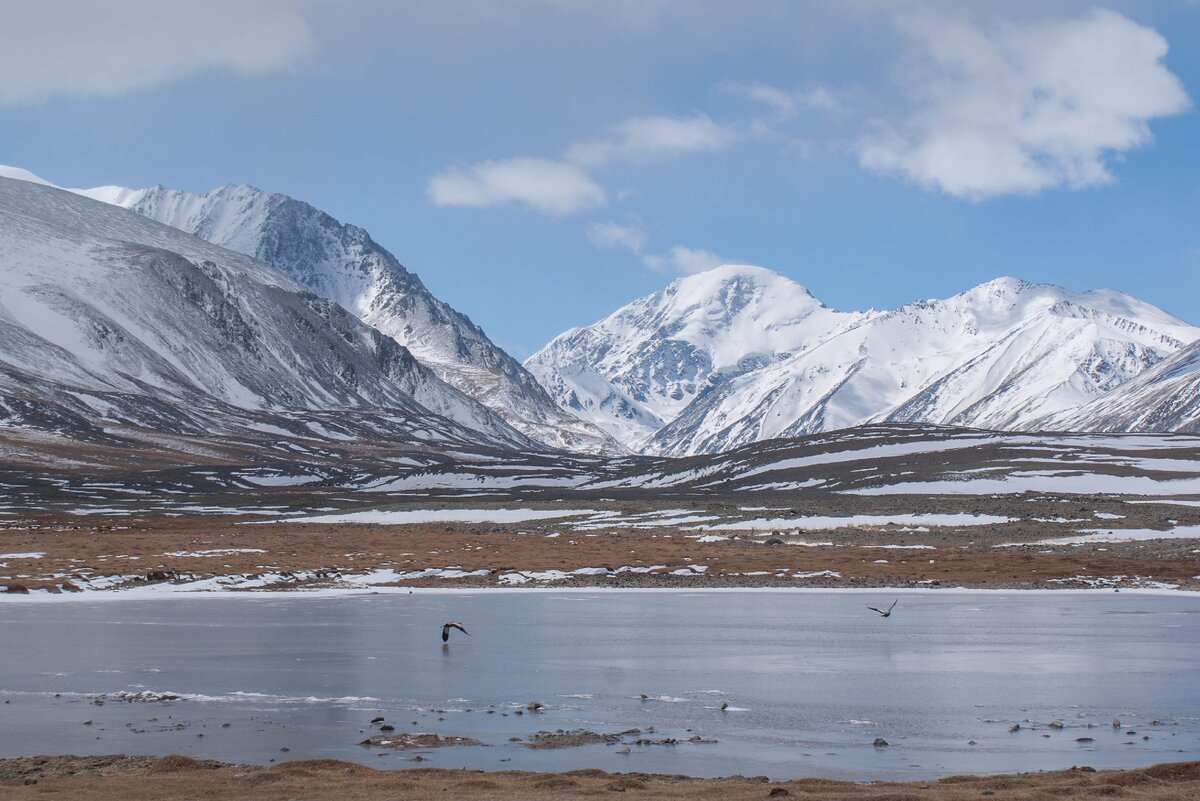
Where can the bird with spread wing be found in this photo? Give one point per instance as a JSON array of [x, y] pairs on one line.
[[884, 612], [452, 625]]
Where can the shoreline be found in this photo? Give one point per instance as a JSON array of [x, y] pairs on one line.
[[324, 593], [133, 778]]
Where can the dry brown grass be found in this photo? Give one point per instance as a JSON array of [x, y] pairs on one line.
[[109, 544], [121, 778]]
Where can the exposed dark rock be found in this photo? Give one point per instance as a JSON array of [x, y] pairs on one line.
[[416, 740]]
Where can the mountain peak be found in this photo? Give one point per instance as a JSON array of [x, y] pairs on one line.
[[1008, 284], [1007, 295], [732, 271], [748, 274], [734, 289], [642, 365]]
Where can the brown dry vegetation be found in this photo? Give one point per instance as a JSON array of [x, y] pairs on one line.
[[122, 778], [95, 545]]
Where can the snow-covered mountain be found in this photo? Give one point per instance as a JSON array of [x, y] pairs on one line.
[[276, 309], [342, 263], [1164, 398], [107, 317], [770, 361], [639, 368]]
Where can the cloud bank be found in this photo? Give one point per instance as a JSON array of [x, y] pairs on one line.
[[57, 47], [1020, 109]]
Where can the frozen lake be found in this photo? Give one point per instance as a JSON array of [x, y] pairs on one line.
[[810, 678]]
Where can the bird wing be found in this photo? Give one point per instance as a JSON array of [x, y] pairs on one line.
[[873, 609], [893, 606]]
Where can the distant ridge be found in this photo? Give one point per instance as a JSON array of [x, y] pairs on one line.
[[740, 354]]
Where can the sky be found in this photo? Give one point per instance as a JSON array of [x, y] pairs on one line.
[[540, 163]]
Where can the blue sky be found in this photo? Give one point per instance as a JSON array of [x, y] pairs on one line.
[[541, 162]]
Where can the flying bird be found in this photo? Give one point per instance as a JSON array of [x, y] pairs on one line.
[[882, 612], [452, 625]]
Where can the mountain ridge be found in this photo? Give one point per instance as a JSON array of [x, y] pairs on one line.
[[111, 318], [1004, 354], [712, 361], [343, 263]]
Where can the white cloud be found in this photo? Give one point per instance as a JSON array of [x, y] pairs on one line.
[[785, 105], [614, 235], [648, 138], [51, 47], [681, 259], [565, 187], [553, 187], [1019, 109]]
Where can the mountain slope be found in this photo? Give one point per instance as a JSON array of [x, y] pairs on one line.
[[1003, 355], [638, 368], [108, 317], [1164, 398], [342, 263]]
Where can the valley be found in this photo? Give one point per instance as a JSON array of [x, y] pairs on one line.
[[881, 506]]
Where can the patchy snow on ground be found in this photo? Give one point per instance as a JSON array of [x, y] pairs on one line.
[[1101, 582], [781, 486], [1118, 535], [451, 480], [1065, 483], [1166, 465], [820, 523], [643, 521], [1129, 442], [217, 510], [873, 453], [901, 547], [279, 481], [214, 552], [409, 516]]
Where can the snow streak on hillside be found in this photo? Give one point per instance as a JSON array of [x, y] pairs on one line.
[[1164, 398]]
